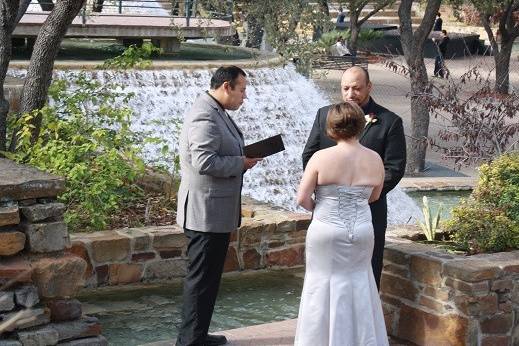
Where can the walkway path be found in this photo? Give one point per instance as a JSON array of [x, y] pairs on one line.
[[271, 334]]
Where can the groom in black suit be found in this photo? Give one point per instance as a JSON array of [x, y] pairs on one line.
[[384, 133]]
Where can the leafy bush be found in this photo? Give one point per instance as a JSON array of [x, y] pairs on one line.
[[489, 220], [330, 38], [86, 138], [133, 57]]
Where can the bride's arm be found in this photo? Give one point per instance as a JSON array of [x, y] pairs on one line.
[[375, 194], [307, 185]]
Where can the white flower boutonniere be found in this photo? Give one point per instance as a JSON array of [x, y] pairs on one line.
[[370, 118]]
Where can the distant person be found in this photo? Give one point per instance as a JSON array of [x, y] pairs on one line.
[[341, 47], [341, 16], [440, 69], [438, 23]]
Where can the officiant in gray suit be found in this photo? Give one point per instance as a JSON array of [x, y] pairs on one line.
[[209, 198]]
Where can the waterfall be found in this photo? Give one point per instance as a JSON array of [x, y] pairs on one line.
[[279, 100]]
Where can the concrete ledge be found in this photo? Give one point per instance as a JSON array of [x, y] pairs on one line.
[[438, 183]]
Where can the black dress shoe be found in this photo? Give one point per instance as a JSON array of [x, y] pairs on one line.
[[215, 340]]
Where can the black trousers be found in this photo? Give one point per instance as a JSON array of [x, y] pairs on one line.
[[439, 68], [206, 253], [379, 219]]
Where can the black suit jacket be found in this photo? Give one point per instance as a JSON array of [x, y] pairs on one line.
[[385, 136]]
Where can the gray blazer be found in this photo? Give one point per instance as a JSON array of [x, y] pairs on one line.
[[211, 150]]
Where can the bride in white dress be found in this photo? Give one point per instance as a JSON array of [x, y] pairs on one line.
[[340, 305]]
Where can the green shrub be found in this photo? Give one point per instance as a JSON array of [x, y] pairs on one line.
[[499, 185], [86, 138], [478, 228], [133, 57], [330, 38], [489, 220]]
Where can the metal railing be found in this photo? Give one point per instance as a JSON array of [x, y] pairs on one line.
[[163, 8]]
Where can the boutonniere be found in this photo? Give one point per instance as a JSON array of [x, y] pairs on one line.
[[371, 118]]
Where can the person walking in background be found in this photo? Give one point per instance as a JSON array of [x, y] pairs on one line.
[[340, 304], [438, 22], [383, 133], [209, 198], [440, 70]]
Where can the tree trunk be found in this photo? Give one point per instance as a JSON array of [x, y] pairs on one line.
[[412, 44], [354, 38], [46, 47], [318, 30], [417, 144], [8, 14], [502, 60], [254, 32]]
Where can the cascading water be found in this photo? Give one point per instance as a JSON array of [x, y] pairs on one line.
[[279, 100]]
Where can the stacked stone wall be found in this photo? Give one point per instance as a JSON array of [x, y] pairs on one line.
[[38, 278], [268, 238], [431, 297]]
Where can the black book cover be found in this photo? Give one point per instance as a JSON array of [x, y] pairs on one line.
[[265, 147]]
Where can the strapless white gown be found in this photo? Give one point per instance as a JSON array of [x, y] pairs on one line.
[[340, 304]]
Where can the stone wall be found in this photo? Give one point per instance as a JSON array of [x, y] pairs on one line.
[[268, 238], [38, 279], [431, 297]]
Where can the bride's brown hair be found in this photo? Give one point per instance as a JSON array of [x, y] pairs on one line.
[[345, 120]]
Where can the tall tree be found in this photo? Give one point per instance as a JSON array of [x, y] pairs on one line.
[[46, 47], [8, 15], [355, 8], [505, 14], [413, 40]]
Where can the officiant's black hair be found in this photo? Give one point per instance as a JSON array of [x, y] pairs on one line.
[[226, 74]]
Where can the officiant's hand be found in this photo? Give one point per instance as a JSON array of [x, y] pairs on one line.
[[248, 162]]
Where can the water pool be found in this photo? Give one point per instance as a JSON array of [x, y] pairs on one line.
[[448, 199], [140, 315]]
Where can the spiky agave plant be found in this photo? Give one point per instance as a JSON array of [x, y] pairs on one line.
[[431, 222]]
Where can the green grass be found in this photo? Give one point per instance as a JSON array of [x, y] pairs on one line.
[[91, 50]]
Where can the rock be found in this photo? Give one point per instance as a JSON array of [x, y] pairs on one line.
[[27, 318], [11, 243], [79, 249], [16, 269], [167, 238], [77, 329], [47, 237], [9, 215], [398, 287], [108, 246], [10, 343], [19, 182], [165, 269], [39, 337], [286, 257], [40, 212], [423, 328], [141, 240], [426, 269], [64, 310], [251, 259], [122, 273], [27, 296], [97, 341], [6, 301], [231, 261], [59, 277]]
